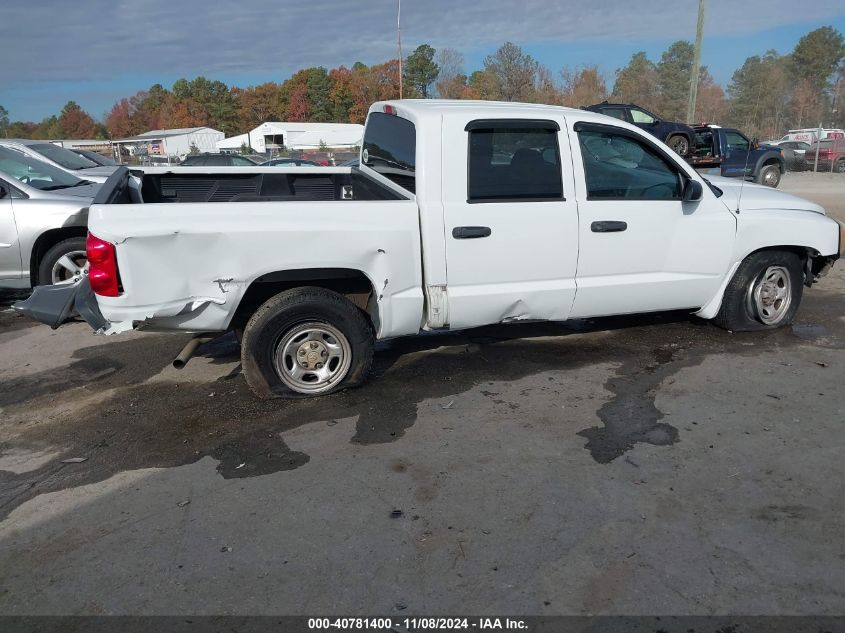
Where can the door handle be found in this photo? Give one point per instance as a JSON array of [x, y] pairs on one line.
[[470, 232], [608, 226]]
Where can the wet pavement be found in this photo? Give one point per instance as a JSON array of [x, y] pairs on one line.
[[634, 465]]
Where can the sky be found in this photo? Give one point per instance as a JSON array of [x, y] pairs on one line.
[[96, 51]]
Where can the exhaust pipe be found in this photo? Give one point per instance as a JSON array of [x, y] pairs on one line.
[[188, 351]]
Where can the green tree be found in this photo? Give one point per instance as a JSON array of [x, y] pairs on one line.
[[193, 150], [817, 56], [4, 122], [512, 72], [759, 94], [673, 80], [637, 82], [318, 89], [420, 70], [245, 149]]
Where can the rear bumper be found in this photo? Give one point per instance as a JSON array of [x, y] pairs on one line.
[[57, 304]]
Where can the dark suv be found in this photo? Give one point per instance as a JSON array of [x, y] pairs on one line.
[[678, 136]]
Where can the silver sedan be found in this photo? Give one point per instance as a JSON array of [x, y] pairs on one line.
[[43, 222]]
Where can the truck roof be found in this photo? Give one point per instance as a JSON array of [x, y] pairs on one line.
[[435, 108]]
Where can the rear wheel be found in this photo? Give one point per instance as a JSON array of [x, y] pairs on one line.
[[679, 144], [764, 293], [839, 166], [306, 342], [769, 175], [64, 263]]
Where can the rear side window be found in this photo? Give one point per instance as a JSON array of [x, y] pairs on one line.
[[390, 148], [616, 113], [514, 161], [63, 157]]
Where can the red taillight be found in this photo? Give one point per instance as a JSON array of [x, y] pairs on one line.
[[102, 266], [389, 109]]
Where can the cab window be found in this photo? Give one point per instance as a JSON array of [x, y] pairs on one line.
[[736, 142], [618, 166]]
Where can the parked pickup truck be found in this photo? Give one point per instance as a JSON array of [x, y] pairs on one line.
[[735, 156], [461, 214]]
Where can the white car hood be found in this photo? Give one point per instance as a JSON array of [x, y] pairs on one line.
[[758, 197]]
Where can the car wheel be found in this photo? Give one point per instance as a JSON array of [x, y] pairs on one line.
[[679, 144], [64, 263], [764, 293], [839, 167], [769, 176], [306, 342]]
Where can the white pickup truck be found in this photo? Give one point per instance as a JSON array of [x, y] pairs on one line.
[[461, 214]]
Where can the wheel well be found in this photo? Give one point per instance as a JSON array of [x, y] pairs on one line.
[[775, 161], [46, 241], [812, 262], [353, 284]]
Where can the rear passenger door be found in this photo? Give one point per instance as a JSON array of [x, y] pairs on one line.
[[511, 221]]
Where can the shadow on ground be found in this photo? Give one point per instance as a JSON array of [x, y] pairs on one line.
[[139, 424]]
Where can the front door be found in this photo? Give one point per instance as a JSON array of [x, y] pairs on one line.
[[10, 251], [737, 155], [643, 249], [511, 221]]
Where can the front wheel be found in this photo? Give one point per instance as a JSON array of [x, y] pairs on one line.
[[769, 175], [764, 293], [679, 145], [306, 342]]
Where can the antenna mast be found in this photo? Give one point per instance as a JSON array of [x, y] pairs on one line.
[[399, 40]]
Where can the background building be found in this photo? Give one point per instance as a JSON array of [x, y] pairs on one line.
[[275, 135], [170, 143]]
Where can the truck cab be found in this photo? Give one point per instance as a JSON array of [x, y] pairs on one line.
[[736, 156]]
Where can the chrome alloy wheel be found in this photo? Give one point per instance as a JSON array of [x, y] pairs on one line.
[[70, 268], [771, 295], [312, 357]]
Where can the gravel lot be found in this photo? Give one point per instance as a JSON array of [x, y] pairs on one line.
[[619, 466]]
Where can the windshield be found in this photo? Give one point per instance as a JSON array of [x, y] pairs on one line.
[[62, 156], [35, 173]]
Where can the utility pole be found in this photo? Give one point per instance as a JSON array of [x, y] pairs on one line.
[[399, 38], [696, 64]]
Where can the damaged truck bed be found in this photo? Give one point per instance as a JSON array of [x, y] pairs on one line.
[[461, 214]]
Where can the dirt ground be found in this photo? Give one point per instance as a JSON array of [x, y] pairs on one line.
[[636, 465]]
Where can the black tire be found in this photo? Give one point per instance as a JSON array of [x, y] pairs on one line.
[[278, 321], [71, 246], [769, 175], [740, 312], [679, 144], [839, 166]]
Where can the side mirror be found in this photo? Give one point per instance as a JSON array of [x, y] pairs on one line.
[[755, 143], [692, 191], [3, 191]]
